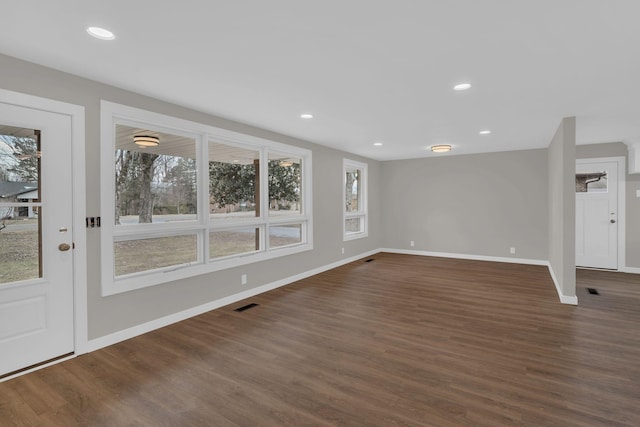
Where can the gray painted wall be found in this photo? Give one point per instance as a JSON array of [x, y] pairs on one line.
[[118, 312], [632, 233], [479, 204], [561, 160]]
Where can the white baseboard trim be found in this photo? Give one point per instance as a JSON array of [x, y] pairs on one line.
[[634, 270], [563, 298], [467, 256], [125, 334]]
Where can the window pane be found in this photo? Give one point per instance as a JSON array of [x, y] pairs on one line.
[[285, 180], [154, 183], [234, 190], [133, 256], [283, 235], [353, 225], [233, 242], [352, 190]]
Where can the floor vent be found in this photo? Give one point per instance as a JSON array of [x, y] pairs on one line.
[[246, 307], [593, 291], [369, 260]]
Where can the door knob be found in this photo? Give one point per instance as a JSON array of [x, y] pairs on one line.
[[612, 221], [63, 247]]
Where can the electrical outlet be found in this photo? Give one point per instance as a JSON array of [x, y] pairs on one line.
[[244, 279], [342, 251], [512, 251], [412, 243]]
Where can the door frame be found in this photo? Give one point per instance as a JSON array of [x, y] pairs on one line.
[[622, 192], [77, 115]]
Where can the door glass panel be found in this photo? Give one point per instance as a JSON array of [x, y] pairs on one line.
[[20, 207], [19, 243], [591, 182]]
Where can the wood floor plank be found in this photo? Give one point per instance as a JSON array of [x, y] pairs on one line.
[[399, 341]]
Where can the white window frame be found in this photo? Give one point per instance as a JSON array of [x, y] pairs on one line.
[[362, 212], [112, 114]]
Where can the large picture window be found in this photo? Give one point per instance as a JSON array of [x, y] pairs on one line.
[[354, 196], [182, 198]]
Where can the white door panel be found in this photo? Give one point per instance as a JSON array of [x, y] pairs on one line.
[[36, 282], [596, 216]]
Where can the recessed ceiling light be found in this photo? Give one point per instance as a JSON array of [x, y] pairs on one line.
[[443, 148], [101, 33], [485, 132], [377, 144], [462, 86], [306, 116]]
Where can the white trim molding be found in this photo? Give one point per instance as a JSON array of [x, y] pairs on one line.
[[467, 256], [564, 299]]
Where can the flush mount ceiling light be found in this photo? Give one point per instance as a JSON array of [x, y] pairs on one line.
[[462, 86], [485, 132], [378, 144], [306, 116], [100, 33], [443, 148], [146, 140]]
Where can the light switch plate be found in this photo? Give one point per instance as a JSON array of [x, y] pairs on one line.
[[637, 193]]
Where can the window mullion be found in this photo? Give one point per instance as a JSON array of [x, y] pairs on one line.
[[203, 196], [264, 198]]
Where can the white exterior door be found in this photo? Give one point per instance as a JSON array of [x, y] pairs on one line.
[[36, 237], [597, 214]]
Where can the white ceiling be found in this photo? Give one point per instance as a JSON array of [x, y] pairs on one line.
[[368, 70]]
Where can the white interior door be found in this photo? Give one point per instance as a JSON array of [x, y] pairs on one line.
[[36, 273], [597, 214]]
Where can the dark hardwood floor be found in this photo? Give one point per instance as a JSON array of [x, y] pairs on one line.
[[399, 341]]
